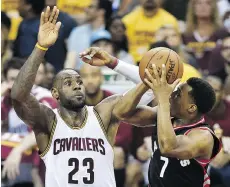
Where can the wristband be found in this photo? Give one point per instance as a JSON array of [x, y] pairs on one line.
[[40, 47], [113, 64]]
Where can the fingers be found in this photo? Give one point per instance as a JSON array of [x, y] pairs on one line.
[[163, 74], [56, 16], [42, 19], [57, 26], [51, 17], [90, 51], [157, 77], [150, 77], [47, 14], [148, 83], [86, 52]]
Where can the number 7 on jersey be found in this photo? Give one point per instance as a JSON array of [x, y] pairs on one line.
[[166, 162]]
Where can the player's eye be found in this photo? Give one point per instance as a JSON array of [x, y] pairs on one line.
[[68, 83]]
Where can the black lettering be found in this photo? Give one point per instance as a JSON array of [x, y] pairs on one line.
[[74, 144], [80, 145], [84, 146], [68, 143], [88, 143], [95, 144], [101, 144], [62, 146], [56, 151]]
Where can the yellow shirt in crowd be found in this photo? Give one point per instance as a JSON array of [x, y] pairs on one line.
[[73, 7], [189, 71], [140, 29]]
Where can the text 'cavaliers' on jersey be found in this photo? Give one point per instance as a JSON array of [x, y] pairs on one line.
[[79, 156], [173, 172]]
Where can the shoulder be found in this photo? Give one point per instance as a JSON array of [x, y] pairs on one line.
[[166, 15], [132, 16], [201, 134]]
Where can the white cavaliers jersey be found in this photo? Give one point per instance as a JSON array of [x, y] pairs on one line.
[[79, 156]]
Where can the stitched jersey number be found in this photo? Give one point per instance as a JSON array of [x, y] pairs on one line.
[[166, 162], [87, 162]]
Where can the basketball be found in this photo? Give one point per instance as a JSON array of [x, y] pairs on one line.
[[159, 56]]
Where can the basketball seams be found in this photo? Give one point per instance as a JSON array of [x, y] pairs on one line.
[[178, 66], [151, 59]]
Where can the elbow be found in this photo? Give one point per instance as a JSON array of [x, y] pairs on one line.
[[119, 113], [166, 146]]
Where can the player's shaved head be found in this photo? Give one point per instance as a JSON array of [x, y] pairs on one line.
[[62, 74]]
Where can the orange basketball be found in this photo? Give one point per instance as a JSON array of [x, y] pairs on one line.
[[159, 56]]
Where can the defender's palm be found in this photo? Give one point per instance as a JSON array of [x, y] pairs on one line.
[[48, 30]]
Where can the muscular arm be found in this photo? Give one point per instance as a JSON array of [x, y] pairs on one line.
[[127, 110], [196, 144], [25, 104]]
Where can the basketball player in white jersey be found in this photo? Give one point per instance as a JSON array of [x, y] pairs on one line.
[[75, 141]]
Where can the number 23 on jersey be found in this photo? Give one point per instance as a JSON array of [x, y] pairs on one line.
[[74, 176]]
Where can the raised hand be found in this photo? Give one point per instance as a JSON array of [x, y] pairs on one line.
[[96, 57], [49, 27], [159, 84]]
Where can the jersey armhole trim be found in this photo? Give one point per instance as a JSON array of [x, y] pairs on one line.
[[50, 139], [102, 125]]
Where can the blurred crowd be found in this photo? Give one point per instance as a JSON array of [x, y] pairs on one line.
[[198, 30]]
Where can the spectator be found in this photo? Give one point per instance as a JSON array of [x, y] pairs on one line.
[[30, 10], [97, 14], [219, 64], [103, 39], [219, 116], [202, 22], [189, 71], [117, 30], [142, 23], [92, 79], [178, 8], [13, 123], [74, 8], [50, 74], [227, 88], [224, 31], [5, 29], [28, 29], [173, 38], [221, 110], [137, 169]]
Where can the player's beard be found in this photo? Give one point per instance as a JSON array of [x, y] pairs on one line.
[[71, 104]]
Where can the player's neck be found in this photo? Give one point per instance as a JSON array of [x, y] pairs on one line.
[[93, 100], [30, 15], [73, 118], [187, 120]]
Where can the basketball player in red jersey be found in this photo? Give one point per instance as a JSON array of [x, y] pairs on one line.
[[183, 144]]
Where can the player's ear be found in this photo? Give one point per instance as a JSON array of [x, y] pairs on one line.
[[54, 93], [192, 108]]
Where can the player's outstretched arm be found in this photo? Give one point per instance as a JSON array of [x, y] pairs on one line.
[[98, 57], [25, 104]]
